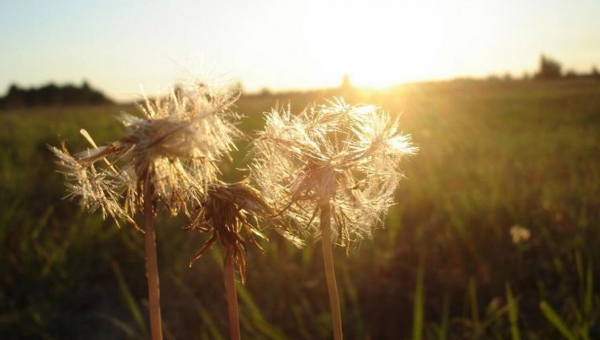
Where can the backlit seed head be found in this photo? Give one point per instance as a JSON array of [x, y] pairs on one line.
[[172, 151], [337, 154]]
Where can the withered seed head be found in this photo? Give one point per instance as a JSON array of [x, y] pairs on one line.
[[225, 214]]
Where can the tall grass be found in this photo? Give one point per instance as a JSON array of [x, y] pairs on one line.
[[492, 155]]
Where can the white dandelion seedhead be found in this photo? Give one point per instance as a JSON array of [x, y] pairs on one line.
[[337, 154], [172, 151], [519, 234]]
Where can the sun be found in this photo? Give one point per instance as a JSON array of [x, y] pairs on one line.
[[378, 44]]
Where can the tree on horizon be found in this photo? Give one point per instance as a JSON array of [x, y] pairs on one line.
[[549, 68]]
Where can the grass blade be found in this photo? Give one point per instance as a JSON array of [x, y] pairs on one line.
[[256, 318], [211, 326], [474, 304], [588, 299], [443, 331], [128, 298], [553, 317], [418, 309], [513, 314]]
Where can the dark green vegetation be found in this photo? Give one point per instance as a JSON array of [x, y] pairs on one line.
[[493, 155], [51, 95]]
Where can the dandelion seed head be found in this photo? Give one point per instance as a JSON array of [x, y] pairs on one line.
[[225, 214], [519, 234], [337, 154], [173, 150]]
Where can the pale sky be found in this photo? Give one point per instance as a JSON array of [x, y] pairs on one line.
[[120, 46]]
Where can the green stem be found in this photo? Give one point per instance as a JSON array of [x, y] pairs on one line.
[[334, 301], [152, 268], [234, 318]]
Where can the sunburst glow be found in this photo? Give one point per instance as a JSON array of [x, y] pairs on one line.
[[377, 44]]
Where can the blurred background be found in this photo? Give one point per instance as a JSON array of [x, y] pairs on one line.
[[496, 227]]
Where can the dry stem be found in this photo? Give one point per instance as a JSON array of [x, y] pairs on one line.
[[334, 301], [152, 267], [234, 318]]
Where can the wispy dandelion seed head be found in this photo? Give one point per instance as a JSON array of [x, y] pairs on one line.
[[173, 151], [337, 154]]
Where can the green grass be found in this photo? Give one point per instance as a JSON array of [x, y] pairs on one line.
[[492, 155]]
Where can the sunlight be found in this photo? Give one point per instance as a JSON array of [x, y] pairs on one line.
[[377, 44]]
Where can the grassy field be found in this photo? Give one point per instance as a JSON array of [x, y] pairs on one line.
[[493, 156]]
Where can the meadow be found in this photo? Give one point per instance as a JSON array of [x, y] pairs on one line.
[[494, 156]]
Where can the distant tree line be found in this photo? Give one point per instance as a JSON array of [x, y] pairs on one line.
[[52, 95]]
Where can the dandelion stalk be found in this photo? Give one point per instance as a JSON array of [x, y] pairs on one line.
[[334, 301], [232, 303], [152, 266]]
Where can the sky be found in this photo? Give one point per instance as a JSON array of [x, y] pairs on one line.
[[122, 47]]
